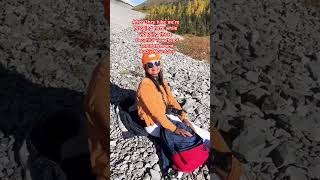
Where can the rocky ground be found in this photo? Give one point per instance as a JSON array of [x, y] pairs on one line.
[[8, 167], [264, 88], [53, 41], [136, 158], [265, 85], [47, 52]]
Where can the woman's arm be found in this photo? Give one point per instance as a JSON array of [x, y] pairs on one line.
[[153, 105], [174, 102]]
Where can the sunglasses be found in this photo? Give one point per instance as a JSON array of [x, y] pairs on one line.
[[151, 64]]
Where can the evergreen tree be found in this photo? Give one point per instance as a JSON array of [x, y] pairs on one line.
[[194, 17]]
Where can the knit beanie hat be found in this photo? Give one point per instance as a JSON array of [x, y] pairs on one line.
[[150, 57]]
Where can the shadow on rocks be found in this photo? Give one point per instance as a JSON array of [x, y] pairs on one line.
[[125, 100], [51, 120], [118, 94]]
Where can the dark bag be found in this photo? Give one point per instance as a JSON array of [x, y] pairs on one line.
[[131, 121], [171, 110]]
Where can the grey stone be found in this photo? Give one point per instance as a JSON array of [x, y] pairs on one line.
[[145, 154], [113, 143], [281, 133], [199, 110], [155, 175], [189, 106], [254, 154], [314, 171], [214, 176], [147, 165], [215, 101], [242, 86], [139, 165], [252, 76], [146, 177], [229, 108], [249, 139], [284, 154], [258, 93], [138, 172], [149, 150], [199, 177], [156, 167], [153, 159], [248, 109], [44, 63], [296, 173], [315, 133]]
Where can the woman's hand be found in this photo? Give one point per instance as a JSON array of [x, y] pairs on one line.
[[182, 132]]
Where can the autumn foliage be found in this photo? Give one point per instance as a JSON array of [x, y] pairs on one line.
[[194, 16]]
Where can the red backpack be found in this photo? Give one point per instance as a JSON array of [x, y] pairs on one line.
[[189, 160]]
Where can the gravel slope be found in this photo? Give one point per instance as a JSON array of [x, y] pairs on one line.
[[47, 52], [136, 158], [265, 86]]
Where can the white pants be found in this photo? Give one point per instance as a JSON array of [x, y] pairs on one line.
[[154, 130]]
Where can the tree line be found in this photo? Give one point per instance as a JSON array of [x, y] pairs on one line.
[[194, 16]]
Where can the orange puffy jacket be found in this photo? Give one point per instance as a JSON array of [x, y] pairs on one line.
[[98, 118], [151, 105]]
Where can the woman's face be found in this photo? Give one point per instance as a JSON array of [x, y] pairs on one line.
[[153, 67]]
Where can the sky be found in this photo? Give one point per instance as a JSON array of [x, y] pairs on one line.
[[137, 2]]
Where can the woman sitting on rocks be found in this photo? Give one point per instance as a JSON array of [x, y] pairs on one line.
[[165, 119], [153, 96]]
